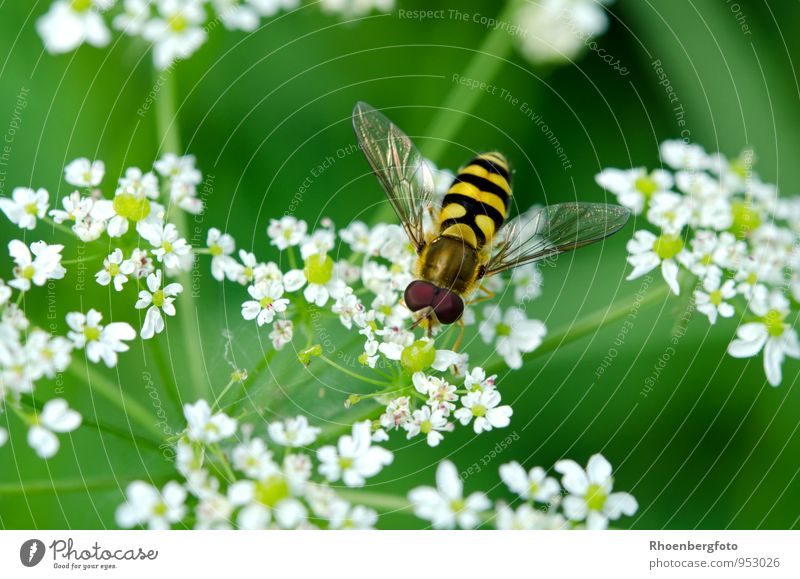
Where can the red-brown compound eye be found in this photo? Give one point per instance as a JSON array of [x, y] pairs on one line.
[[447, 306], [419, 294]]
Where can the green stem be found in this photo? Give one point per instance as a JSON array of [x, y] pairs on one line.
[[165, 371], [104, 387], [72, 485], [60, 226], [589, 325], [168, 131], [352, 374], [381, 501]]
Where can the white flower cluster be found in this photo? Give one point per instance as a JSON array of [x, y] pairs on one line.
[[28, 354], [584, 499], [233, 479], [176, 28], [717, 223], [365, 292]]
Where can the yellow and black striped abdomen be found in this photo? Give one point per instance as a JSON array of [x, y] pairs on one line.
[[476, 204]]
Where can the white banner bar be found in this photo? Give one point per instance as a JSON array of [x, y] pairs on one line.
[[387, 554]]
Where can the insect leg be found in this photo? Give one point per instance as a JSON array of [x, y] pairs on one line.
[[460, 334], [488, 294]]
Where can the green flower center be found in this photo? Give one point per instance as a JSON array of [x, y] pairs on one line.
[[533, 488], [425, 426], [595, 497], [272, 490], [113, 268], [646, 186], [418, 356], [458, 505], [503, 329], [345, 462], [745, 219], [715, 297], [774, 322], [265, 302], [215, 250], [131, 207], [318, 269], [81, 5], [160, 509], [479, 410], [667, 246], [167, 246], [158, 298], [92, 333], [28, 272], [177, 22], [31, 209]]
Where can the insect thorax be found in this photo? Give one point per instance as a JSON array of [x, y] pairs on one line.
[[450, 263]]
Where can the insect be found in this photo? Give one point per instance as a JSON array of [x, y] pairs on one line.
[[470, 240]]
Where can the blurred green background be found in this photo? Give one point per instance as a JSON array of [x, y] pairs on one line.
[[712, 446]]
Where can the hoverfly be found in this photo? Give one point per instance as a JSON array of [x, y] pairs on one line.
[[469, 241]]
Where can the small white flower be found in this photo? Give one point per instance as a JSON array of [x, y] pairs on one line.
[[532, 485], [429, 422], [159, 300], [396, 414], [176, 32], [84, 173], [483, 407], [35, 265], [590, 495], [669, 211], [513, 333], [169, 247], [56, 416], [254, 460], [634, 187], [134, 17], [266, 302], [354, 459], [355, 8], [293, 432], [205, 427], [445, 506], [527, 518], [681, 155], [76, 208], [648, 251], [70, 23], [711, 301], [441, 394], [115, 269], [343, 515], [101, 342], [139, 184], [25, 206], [286, 231], [527, 281], [145, 505], [221, 246], [282, 333], [557, 31], [771, 333]]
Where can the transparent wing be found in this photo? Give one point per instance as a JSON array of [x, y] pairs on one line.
[[399, 166], [546, 231]]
